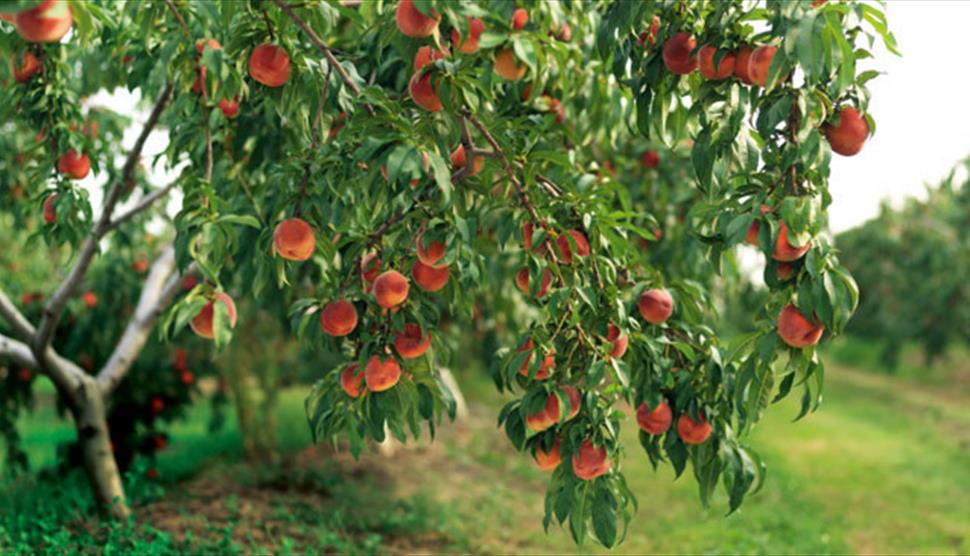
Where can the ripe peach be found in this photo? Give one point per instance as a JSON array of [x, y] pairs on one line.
[[391, 289], [650, 159], [351, 380], [677, 53], [202, 324], [187, 378], [293, 239], [157, 405], [522, 281], [49, 21], [429, 254], [785, 251], [565, 249], [412, 343], [527, 231], [548, 460], [618, 339], [30, 65], [507, 66], [459, 160], [655, 421], [230, 108], [90, 299], [650, 37], [430, 279], [691, 431], [760, 64], [425, 55], [547, 364], [50, 214], [423, 93], [724, 68], [381, 374], [74, 166], [270, 65], [590, 462], [412, 23], [784, 271], [519, 18], [211, 43], [741, 64], [338, 318], [140, 265], [469, 45], [655, 305], [796, 330], [850, 135], [556, 106], [752, 237]]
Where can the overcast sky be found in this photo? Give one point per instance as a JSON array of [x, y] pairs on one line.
[[921, 106], [922, 111]]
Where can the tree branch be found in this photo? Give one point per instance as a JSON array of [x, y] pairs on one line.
[[315, 39], [55, 306], [19, 352], [159, 289], [22, 328], [142, 204]]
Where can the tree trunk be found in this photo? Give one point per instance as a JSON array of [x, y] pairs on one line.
[[99, 461]]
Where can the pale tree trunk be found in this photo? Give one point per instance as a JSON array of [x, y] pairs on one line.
[[99, 461]]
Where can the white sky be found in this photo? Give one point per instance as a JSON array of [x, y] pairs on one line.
[[921, 106], [922, 112]]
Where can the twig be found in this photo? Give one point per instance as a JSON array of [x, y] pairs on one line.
[[325, 50], [178, 16], [269, 26], [143, 204]]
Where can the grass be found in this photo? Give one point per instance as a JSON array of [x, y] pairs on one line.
[[883, 467]]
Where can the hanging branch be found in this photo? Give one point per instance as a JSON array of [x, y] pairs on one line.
[[325, 50]]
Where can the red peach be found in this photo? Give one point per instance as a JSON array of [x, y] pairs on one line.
[[270, 65], [411, 343], [391, 289], [338, 318], [293, 239], [724, 68], [590, 462], [351, 380], [412, 23], [429, 278], [50, 214], [469, 45], [850, 135], [656, 305], [230, 108], [785, 251], [203, 324], [49, 21], [423, 93], [650, 37], [519, 18], [430, 253], [742, 63], [507, 66], [548, 460], [522, 281], [655, 421], [796, 330], [459, 160], [380, 374], [650, 159], [74, 166], [677, 53], [90, 299], [691, 431], [760, 64], [619, 341], [565, 249], [31, 65]]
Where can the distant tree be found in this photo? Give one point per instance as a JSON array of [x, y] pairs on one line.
[[912, 264]]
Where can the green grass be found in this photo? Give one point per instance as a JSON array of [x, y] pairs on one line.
[[884, 466]]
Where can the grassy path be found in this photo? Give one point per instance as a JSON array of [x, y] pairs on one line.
[[883, 467]]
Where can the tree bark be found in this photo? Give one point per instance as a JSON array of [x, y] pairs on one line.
[[99, 462]]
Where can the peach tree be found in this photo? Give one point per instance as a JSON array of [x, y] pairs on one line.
[[385, 164]]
